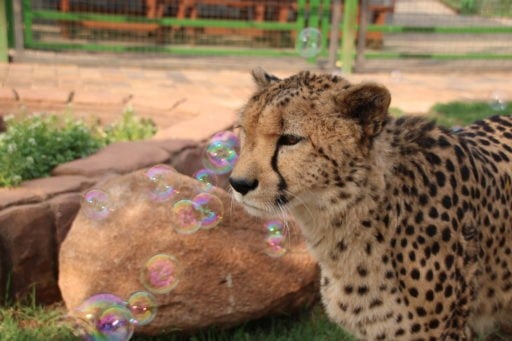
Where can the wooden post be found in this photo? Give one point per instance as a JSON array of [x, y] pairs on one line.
[[334, 34], [349, 35], [19, 39], [361, 35], [4, 49]]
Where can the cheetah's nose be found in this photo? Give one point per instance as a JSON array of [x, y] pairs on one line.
[[243, 186]]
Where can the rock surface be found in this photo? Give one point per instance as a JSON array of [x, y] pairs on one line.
[[28, 254], [38, 190], [226, 276], [120, 157]]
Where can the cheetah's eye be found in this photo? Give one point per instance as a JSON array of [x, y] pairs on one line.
[[289, 140]]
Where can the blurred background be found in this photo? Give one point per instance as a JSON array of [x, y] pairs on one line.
[[368, 35]]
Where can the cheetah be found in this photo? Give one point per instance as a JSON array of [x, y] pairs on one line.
[[409, 221]]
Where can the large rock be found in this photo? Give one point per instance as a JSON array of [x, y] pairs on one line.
[[227, 278], [64, 207], [120, 157], [28, 255]]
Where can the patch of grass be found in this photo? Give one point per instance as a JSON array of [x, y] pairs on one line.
[[24, 323], [463, 113], [33, 145], [487, 8], [33, 323], [129, 128]]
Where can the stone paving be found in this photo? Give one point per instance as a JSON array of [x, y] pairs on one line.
[[191, 103]]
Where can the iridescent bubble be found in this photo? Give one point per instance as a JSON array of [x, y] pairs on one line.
[[274, 245], [97, 204], [227, 137], [186, 217], [220, 156], [396, 76], [309, 42], [114, 324], [274, 227], [160, 187], [104, 317], [207, 179], [160, 274], [498, 101], [143, 307], [211, 208]]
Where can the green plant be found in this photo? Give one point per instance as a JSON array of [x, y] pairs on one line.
[[129, 128], [32, 146], [463, 113]]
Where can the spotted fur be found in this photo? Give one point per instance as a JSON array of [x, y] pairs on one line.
[[410, 222]]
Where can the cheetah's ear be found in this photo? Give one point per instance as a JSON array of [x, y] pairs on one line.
[[368, 103], [262, 78]]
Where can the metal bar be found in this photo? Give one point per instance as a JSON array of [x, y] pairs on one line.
[[314, 7], [180, 50], [4, 50], [349, 35], [335, 34], [361, 36], [301, 20], [325, 22], [438, 29], [10, 23], [19, 40], [443, 56], [70, 16], [27, 21]]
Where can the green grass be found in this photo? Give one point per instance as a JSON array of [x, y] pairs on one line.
[[463, 113], [34, 323], [487, 8]]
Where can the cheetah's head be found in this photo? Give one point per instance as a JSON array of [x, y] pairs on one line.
[[305, 139]]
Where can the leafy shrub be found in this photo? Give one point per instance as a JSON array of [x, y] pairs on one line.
[[129, 128], [463, 113], [31, 147]]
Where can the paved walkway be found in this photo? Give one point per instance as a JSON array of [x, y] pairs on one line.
[[192, 102]]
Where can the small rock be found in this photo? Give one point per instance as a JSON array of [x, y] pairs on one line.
[[37, 190], [121, 158], [227, 278], [27, 238]]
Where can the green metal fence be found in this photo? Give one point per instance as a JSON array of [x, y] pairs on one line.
[[204, 27]]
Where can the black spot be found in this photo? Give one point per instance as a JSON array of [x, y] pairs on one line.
[[348, 289], [421, 311], [431, 230], [447, 202], [362, 271], [464, 173], [448, 261], [429, 295], [415, 328], [415, 274], [440, 178], [376, 303], [446, 234], [362, 290], [409, 230], [413, 292]]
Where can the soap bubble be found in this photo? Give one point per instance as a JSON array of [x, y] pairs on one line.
[[114, 324], [160, 274], [206, 178], [160, 186], [186, 217], [498, 101], [220, 156], [227, 137], [143, 307], [274, 245], [97, 204], [309, 42], [211, 209], [274, 227], [104, 317], [396, 76]]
